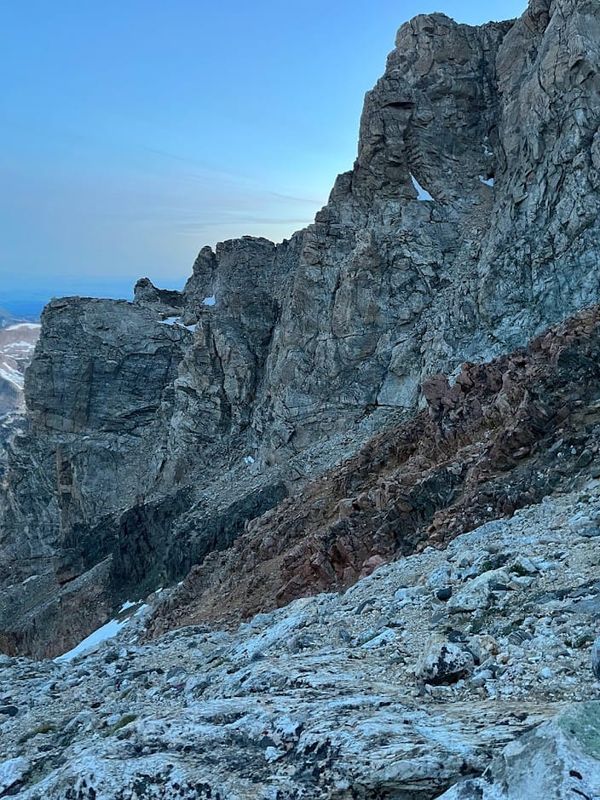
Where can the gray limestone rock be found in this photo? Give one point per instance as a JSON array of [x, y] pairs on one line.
[[442, 662], [596, 659], [283, 707], [559, 759], [468, 223]]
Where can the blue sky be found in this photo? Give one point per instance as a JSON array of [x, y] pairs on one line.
[[134, 132]]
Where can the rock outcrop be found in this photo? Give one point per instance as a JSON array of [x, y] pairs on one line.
[[503, 436], [468, 224], [335, 505], [325, 698]]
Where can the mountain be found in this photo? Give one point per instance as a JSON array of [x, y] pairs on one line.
[[6, 318], [17, 342], [398, 407]]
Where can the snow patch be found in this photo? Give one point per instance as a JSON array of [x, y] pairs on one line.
[[12, 376], [422, 194], [29, 325], [487, 181], [91, 642], [105, 632], [210, 301], [177, 321], [249, 460]]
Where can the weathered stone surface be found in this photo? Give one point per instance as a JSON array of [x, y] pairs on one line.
[[443, 662], [458, 463], [321, 700], [275, 361], [559, 759], [101, 380]]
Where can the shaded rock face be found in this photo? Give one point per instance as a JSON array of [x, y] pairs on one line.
[[468, 224], [504, 436], [96, 393]]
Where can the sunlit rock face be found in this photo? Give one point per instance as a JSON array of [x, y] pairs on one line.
[[468, 224]]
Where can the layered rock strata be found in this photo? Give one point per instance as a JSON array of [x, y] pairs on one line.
[[468, 224], [503, 436]]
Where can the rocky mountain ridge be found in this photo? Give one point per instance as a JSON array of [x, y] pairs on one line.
[[504, 436], [158, 428], [337, 501]]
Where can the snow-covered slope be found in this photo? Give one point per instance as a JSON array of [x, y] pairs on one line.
[[17, 343]]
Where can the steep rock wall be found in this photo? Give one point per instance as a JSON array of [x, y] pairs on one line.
[[468, 224]]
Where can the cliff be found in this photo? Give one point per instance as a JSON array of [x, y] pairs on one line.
[[158, 429]]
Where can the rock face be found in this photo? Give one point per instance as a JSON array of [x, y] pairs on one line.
[[559, 759], [505, 435], [468, 224], [323, 699], [103, 372], [362, 463]]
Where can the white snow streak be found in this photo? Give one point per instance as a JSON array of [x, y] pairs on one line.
[[422, 194], [30, 325], [102, 634]]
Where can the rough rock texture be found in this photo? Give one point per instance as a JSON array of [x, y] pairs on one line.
[[559, 759], [323, 700], [505, 435], [468, 224], [96, 390]]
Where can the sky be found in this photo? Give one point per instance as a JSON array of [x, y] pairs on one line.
[[133, 132]]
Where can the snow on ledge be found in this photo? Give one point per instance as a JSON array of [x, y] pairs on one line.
[[211, 300], [422, 194], [487, 181], [177, 321], [107, 631], [102, 634]]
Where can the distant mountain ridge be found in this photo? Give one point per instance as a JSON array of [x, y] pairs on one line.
[[8, 318], [17, 343]]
